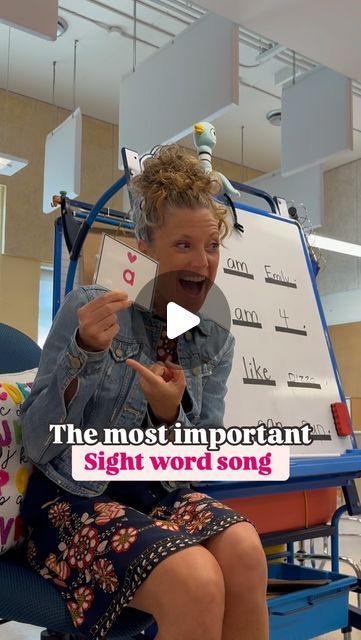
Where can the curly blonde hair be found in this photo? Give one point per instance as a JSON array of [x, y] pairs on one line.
[[171, 179]]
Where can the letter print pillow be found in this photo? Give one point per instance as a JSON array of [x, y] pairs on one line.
[[14, 466]]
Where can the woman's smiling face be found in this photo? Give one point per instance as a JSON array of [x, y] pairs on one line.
[[187, 249]]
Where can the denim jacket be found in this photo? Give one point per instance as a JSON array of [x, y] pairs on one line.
[[108, 393]]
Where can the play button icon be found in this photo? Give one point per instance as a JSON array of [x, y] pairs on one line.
[[177, 308], [179, 320]]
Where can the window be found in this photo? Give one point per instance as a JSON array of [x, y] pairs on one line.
[[45, 302]]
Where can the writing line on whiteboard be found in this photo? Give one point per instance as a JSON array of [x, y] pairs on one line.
[[304, 385], [244, 323], [241, 274], [297, 332], [281, 283], [271, 383]]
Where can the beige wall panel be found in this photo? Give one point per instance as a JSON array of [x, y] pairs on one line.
[[342, 197], [234, 171], [339, 272], [341, 202], [357, 215], [99, 168], [19, 294], [346, 341], [231, 170], [356, 422], [29, 232], [356, 416]]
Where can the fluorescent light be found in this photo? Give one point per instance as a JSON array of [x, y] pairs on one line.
[[338, 246], [10, 164]]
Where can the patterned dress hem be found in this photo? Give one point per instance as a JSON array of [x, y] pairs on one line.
[[136, 575]]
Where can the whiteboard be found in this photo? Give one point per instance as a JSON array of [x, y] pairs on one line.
[[282, 373]]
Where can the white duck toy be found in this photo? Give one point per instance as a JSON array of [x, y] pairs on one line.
[[204, 135]]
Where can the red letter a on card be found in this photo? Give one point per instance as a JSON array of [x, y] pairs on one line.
[[129, 276]]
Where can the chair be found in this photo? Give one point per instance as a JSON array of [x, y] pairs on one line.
[[25, 596]]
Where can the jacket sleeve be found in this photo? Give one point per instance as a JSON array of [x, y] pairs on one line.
[[62, 361], [214, 392]]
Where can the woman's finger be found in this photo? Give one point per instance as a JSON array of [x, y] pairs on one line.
[[172, 365], [177, 376], [158, 368], [110, 297], [148, 375], [101, 313], [167, 374]]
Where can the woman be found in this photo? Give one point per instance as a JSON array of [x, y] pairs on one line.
[[195, 565]]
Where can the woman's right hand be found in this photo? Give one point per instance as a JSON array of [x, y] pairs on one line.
[[98, 320]]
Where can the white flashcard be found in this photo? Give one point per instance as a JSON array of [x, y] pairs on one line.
[[123, 268]]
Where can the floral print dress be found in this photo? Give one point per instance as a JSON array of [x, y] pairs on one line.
[[98, 551]]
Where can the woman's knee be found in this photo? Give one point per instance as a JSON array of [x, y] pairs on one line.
[[248, 554], [188, 581], [241, 557]]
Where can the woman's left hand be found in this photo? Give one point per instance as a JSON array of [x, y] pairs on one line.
[[163, 385]]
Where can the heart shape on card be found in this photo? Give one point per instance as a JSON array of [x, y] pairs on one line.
[[131, 257]]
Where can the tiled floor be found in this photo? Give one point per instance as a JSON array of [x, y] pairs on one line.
[[350, 546]]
